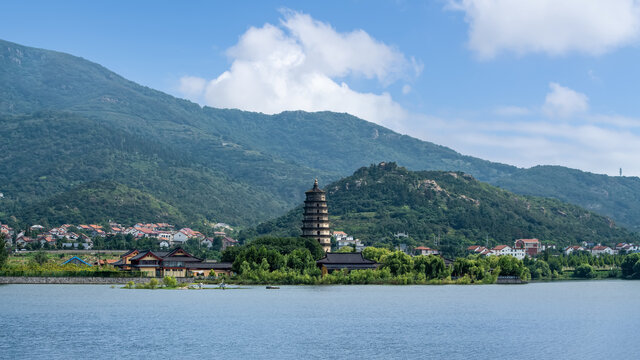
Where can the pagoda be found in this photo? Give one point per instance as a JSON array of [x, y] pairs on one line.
[[315, 223]]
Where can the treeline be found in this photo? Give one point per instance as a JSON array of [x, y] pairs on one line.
[[583, 265], [293, 261]]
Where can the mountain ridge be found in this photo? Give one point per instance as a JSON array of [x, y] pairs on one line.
[[237, 148], [380, 201]]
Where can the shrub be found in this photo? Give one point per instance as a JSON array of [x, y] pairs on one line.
[[584, 271], [170, 282]]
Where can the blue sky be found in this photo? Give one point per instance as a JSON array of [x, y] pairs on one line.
[[524, 83]]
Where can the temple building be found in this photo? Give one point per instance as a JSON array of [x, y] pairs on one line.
[[315, 223]]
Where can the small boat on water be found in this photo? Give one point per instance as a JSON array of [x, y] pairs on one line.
[[273, 287]]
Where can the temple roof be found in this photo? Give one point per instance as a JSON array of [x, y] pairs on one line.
[[344, 258], [315, 189]]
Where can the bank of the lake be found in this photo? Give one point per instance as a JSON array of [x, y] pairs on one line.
[[569, 320]]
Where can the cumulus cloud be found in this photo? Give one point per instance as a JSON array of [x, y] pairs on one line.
[[553, 27], [303, 64], [528, 137], [563, 102]]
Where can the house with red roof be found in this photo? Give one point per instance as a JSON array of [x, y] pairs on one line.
[[531, 246], [601, 249], [423, 250], [570, 249]]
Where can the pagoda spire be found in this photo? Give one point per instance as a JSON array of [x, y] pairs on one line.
[[315, 223]]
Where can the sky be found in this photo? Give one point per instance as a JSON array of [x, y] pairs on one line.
[[544, 82]]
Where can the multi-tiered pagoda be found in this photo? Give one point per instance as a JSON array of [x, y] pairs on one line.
[[315, 223]]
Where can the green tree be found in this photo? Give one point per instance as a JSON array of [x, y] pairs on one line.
[[584, 271], [628, 263], [397, 262], [375, 253], [170, 282], [40, 257], [4, 253]]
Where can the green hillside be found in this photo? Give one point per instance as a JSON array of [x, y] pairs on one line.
[[49, 153], [63, 113], [96, 201], [379, 201]]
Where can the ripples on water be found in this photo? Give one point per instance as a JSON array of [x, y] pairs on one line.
[[560, 320]]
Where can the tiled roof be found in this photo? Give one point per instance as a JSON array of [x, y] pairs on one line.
[[529, 240], [344, 258]]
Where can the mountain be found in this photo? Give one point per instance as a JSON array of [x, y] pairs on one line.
[[70, 121], [94, 202], [379, 201]]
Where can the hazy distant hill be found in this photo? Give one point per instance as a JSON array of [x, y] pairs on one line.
[[61, 112], [379, 201]]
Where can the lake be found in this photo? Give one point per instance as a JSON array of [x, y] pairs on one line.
[[561, 320]]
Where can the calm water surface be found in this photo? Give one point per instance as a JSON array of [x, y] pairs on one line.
[[561, 320]]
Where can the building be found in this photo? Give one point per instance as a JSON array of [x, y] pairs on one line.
[[350, 261], [508, 250], [175, 263], [344, 240], [315, 222], [125, 259], [228, 242], [570, 249], [76, 261], [531, 246], [423, 250], [601, 249]]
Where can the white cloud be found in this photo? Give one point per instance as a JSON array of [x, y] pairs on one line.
[[191, 86], [303, 64], [563, 102], [553, 27], [525, 143], [406, 89]]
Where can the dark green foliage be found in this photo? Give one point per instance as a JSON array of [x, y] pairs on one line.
[[584, 271], [96, 201], [287, 245], [268, 259], [381, 200], [40, 257], [4, 252], [628, 266]]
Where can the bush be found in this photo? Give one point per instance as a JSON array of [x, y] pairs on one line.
[[153, 283], [170, 282], [584, 271]]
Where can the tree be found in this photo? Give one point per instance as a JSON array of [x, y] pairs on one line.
[[628, 264], [40, 257], [170, 282], [398, 262], [4, 253], [584, 271], [374, 253]]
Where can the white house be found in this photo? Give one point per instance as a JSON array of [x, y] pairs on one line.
[[600, 249], [423, 250], [571, 249], [350, 241], [180, 237], [508, 250]]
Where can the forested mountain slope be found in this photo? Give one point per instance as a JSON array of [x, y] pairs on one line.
[[379, 201], [228, 165]]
